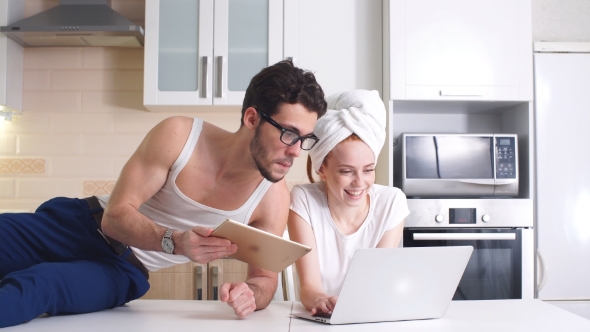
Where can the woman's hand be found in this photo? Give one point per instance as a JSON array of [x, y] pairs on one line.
[[324, 304]]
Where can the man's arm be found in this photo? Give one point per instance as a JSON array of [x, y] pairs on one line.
[[142, 176], [258, 290]]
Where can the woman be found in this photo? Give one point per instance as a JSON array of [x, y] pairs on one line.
[[346, 210]]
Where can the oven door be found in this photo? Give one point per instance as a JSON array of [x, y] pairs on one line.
[[495, 270]]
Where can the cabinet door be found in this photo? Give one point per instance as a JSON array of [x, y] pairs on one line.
[[178, 52], [340, 41], [248, 37], [461, 49], [179, 282], [222, 271]]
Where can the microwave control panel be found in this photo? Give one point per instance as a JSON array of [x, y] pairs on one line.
[[505, 158]]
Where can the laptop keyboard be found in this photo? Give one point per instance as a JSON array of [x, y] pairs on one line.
[[323, 315]]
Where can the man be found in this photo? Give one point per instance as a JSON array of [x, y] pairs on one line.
[[185, 178]]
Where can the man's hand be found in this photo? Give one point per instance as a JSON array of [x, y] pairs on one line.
[[238, 296], [199, 247]]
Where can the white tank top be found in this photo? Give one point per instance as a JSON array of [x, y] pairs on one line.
[[170, 208]]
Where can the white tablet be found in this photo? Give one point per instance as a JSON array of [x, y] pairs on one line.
[[260, 248]]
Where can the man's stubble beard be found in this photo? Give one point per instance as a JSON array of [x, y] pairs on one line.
[[259, 154]]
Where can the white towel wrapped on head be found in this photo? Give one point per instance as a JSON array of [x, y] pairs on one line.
[[359, 112]]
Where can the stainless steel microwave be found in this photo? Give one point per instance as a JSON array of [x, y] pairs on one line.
[[456, 165]]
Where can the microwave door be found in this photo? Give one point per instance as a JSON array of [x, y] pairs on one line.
[[465, 157], [467, 160]]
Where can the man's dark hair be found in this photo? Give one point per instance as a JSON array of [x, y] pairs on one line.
[[284, 83]]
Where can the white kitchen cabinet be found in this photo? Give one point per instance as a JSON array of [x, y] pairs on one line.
[[459, 50], [205, 52], [340, 41]]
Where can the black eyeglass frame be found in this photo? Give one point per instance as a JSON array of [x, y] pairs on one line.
[[284, 130]]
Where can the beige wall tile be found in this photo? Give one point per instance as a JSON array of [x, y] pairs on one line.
[[52, 58], [119, 162], [20, 205], [83, 80], [229, 121], [28, 123], [298, 172], [7, 188], [112, 101], [47, 188], [7, 145], [36, 79], [51, 101], [22, 166], [110, 145], [133, 10], [57, 145], [97, 187], [112, 58], [132, 122], [130, 80], [75, 123], [70, 167]]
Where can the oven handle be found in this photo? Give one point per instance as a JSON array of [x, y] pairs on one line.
[[464, 236]]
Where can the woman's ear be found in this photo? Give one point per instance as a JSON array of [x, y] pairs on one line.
[[251, 118], [322, 173]]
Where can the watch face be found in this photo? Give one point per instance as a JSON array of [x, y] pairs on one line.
[[167, 245]]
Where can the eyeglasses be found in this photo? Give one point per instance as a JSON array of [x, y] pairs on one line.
[[289, 137]]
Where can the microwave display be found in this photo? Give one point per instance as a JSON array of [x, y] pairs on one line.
[[506, 164]]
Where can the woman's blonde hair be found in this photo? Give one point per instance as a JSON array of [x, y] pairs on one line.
[[310, 177]]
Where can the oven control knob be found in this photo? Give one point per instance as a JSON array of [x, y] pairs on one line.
[[486, 218], [439, 218]]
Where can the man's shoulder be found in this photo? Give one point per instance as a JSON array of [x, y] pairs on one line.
[[277, 191]]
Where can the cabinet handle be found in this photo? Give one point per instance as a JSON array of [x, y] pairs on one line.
[[204, 76], [199, 286], [214, 281], [544, 270], [220, 78], [464, 236]]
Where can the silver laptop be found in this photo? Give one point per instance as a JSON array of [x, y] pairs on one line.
[[393, 284]]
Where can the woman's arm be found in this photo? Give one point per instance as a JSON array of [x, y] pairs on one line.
[[393, 237], [308, 268]]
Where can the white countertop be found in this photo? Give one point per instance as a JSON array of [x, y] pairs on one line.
[[469, 316], [169, 315]]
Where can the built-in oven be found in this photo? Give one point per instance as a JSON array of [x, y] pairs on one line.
[[502, 263]]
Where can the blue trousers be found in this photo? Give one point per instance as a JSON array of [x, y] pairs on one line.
[[55, 261]]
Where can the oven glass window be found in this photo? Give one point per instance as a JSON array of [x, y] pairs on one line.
[[488, 275], [494, 270]]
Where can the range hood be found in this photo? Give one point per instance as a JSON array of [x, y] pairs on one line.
[[76, 23]]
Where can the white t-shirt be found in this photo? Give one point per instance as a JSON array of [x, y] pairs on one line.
[[387, 208]]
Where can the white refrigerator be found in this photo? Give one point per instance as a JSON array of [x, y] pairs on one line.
[[562, 205]]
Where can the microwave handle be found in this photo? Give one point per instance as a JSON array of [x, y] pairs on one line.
[[464, 236], [505, 181]]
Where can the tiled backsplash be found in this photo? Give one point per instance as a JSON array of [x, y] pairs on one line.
[[83, 117]]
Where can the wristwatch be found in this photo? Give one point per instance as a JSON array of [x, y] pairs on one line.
[[167, 243]]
